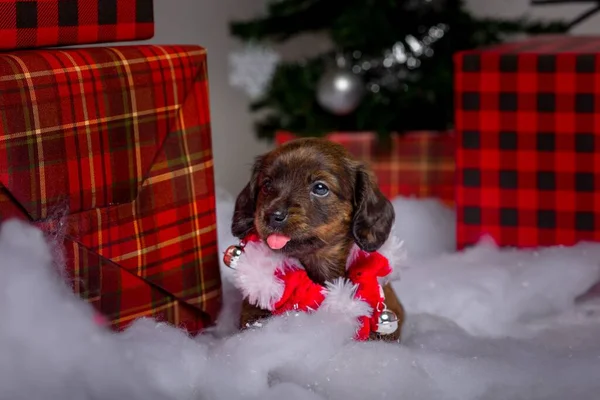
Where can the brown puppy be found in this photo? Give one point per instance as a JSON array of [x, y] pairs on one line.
[[311, 193]]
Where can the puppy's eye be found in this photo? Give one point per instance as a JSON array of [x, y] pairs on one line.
[[320, 189], [266, 186]]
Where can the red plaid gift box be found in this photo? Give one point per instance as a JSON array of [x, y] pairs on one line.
[[42, 23], [419, 164], [120, 138], [528, 135]]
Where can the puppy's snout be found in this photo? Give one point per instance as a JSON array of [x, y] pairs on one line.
[[277, 218]]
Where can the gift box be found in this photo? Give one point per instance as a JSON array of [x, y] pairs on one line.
[[528, 135], [43, 23], [108, 150], [415, 164]]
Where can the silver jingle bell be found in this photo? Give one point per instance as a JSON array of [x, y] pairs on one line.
[[388, 322], [231, 255]]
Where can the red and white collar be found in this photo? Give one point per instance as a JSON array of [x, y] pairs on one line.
[[277, 283]]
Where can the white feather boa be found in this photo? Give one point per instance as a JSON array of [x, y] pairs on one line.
[[255, 270]]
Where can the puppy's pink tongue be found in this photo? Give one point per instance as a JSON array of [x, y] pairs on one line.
[[276, 241]]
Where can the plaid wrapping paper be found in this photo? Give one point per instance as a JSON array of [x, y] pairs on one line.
[[528, 137], [120, 138], [419, 164], [43, 23]]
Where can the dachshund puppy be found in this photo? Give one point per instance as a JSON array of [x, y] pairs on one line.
[[311, 201]]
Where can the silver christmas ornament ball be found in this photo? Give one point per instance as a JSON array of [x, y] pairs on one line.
[[388, 322], [340, 91]]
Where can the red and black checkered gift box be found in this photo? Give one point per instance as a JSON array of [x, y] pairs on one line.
[[120, 139], [528, 137], [416, 164], [43, 23]]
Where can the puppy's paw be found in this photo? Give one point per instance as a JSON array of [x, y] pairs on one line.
[[20, 236], [340, 298]]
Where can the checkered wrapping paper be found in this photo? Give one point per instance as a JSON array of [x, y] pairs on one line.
[[528, 137], [43, 23], [419, 164], [120, 138]]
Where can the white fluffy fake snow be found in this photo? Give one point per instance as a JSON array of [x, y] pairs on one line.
[[484, 324]]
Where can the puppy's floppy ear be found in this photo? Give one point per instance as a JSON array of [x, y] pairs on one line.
[[373, 213], [245, 204]]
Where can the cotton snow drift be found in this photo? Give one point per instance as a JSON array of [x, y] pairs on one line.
[[482, 324]]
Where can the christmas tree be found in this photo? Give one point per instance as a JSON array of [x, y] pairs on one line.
[[391, 68]]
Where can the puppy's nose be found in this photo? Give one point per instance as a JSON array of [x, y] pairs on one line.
[[277, 218]]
